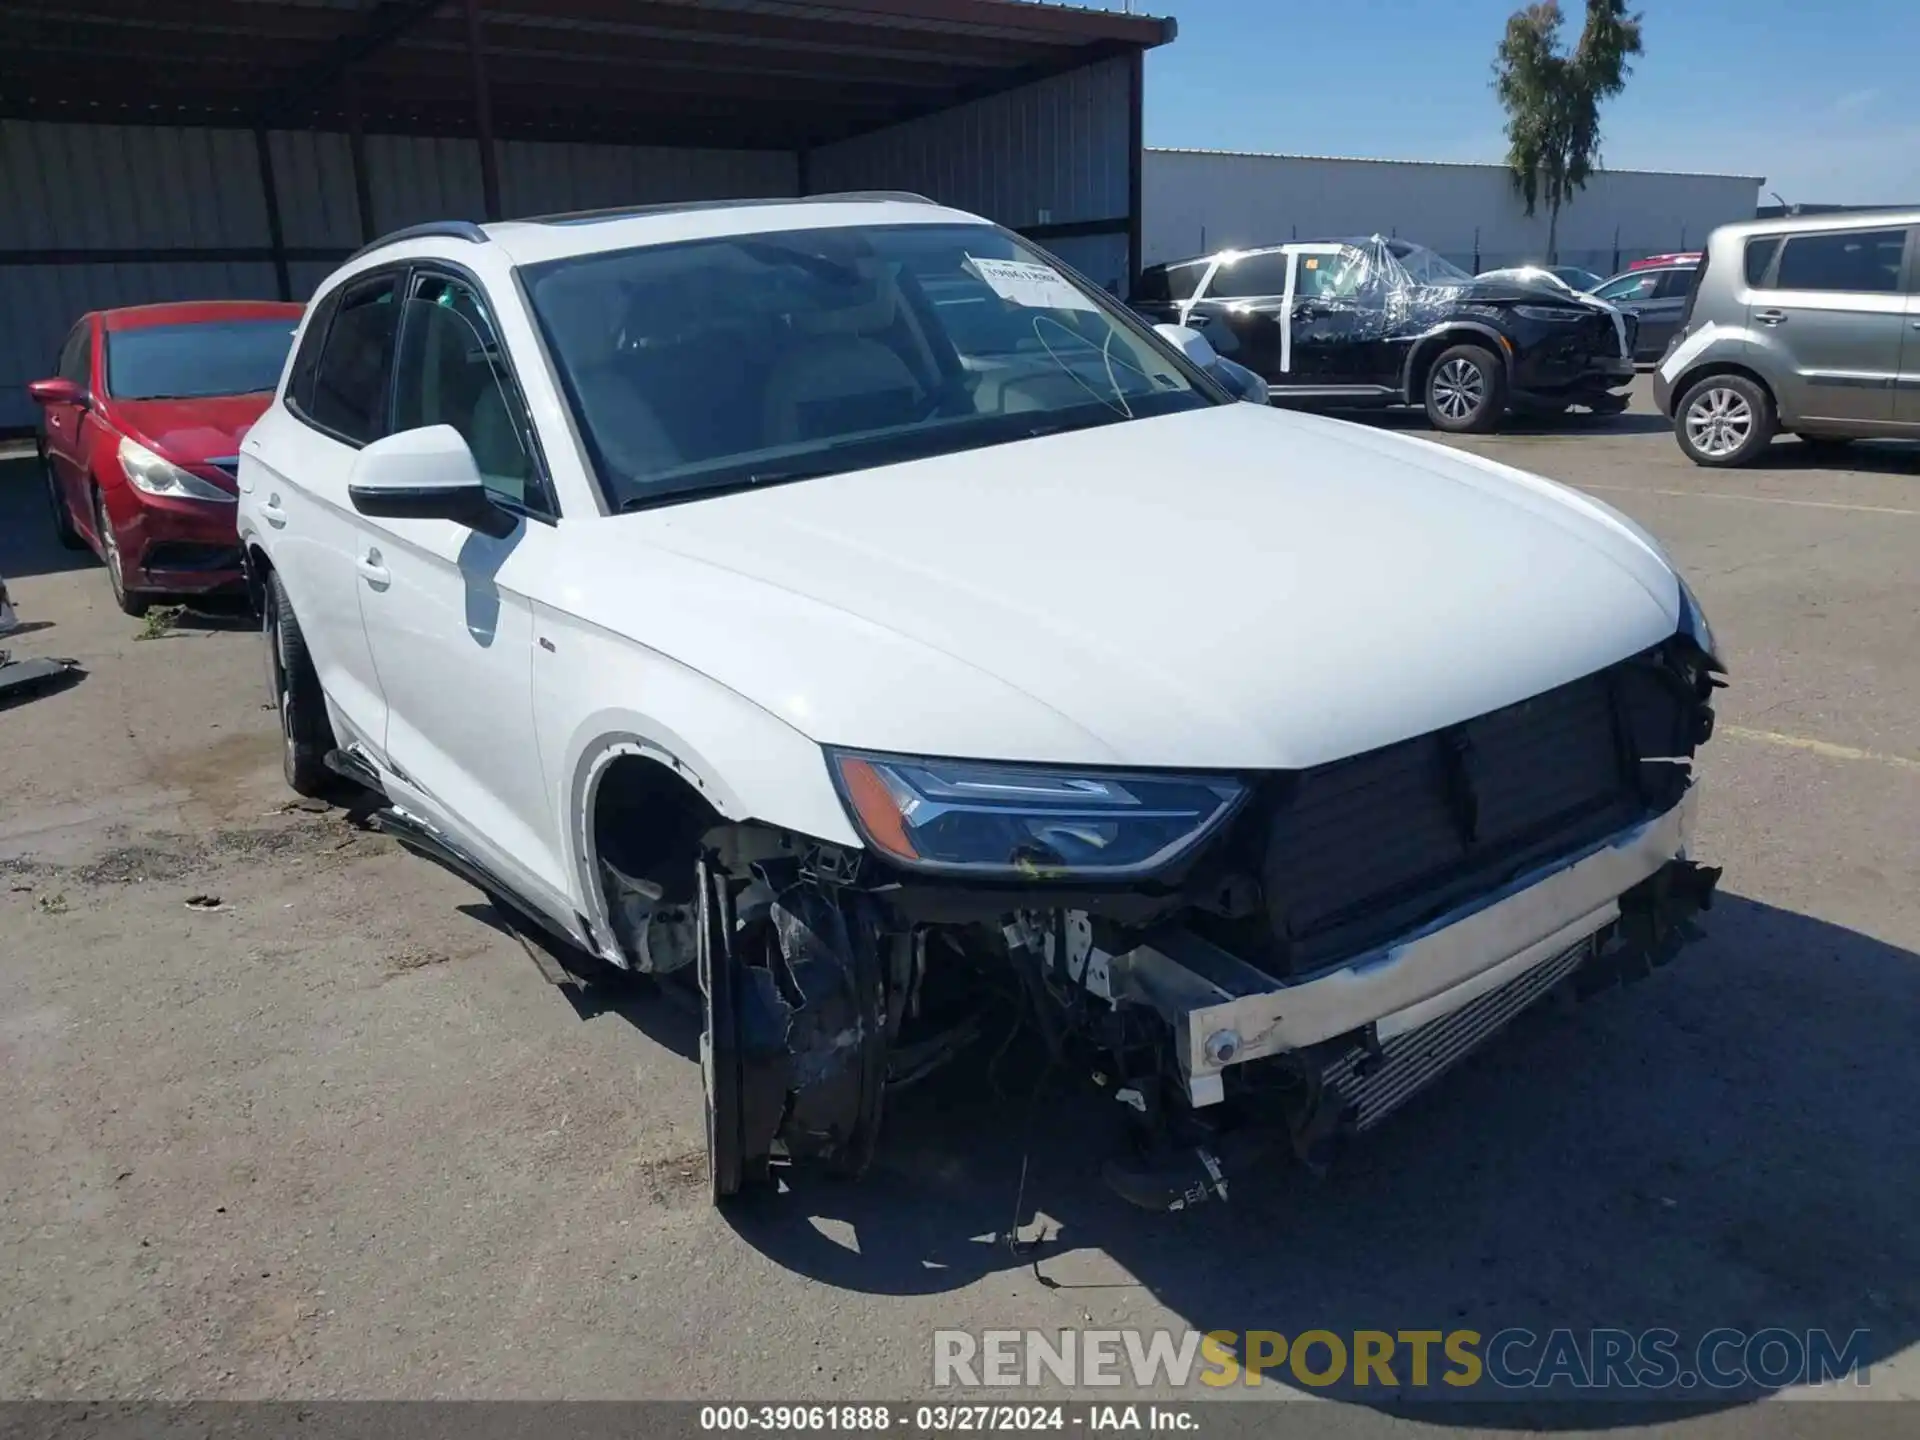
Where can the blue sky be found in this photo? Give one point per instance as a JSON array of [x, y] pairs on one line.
[[1821, 98]]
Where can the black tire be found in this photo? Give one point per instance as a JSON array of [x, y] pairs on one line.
[[1466, 390], [64, 529], [306, 736], [719, 1043], [1723, 421], [131, 602]]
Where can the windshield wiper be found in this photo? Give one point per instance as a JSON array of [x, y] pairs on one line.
[[757, 480]]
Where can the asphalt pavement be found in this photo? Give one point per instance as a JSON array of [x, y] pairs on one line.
[[290, 1114]]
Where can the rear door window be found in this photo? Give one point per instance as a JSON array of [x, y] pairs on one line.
[[1674, 284], [1250, 276], [351, 378], [1856, 261]]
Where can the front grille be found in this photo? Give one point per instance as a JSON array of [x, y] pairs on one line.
[[1602, 341], [1363, 850], [229, 465], [184, 557]]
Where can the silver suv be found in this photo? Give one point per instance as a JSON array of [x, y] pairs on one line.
[[1809, 325]]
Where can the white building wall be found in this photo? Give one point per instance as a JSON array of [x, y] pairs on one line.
[[1200, 201]]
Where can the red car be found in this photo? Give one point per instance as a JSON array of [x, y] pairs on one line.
[[140, 438], [1651, 262]]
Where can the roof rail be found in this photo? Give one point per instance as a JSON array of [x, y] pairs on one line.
[[453, 229], [904, 196], [622, 212]]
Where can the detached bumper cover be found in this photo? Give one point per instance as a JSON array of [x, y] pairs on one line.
[[1224, 1012]]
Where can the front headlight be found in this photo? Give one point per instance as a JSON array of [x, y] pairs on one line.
[[147, 471], [1693, 624], [1552, 314], [1016, 821]]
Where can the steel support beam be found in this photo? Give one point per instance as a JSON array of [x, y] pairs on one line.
[[1136, 160], [385, 23], [270, 193], [357, 157], [483, 115]]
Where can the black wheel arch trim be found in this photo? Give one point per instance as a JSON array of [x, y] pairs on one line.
[[1434, 340]]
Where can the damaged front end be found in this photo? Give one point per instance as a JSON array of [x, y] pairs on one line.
[[1289, 958]]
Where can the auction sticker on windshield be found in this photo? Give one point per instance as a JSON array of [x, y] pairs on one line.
[[1038, 287]]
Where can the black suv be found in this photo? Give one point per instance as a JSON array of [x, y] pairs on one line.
[[1386, 322]]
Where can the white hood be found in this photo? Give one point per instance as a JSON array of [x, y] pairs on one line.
[[1235, 588]]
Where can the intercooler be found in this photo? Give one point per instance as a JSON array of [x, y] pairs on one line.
[[1372, 1084]]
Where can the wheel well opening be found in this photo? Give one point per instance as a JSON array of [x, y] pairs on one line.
[[257, 568], [647, 824], [1434, 346], [1720, 367]]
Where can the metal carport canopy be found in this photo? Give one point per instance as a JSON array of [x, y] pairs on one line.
[[743, 74]]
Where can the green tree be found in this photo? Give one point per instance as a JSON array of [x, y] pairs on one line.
[[1553, 99]]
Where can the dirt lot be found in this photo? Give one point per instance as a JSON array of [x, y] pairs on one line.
[[329, 1131]]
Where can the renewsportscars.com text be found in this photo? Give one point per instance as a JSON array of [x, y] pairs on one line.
[[1454, 1362]]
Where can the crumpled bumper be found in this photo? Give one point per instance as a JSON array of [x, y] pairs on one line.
[[1224, 1012]]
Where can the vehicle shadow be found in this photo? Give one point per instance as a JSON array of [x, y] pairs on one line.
[[666, 1011], [1572, 425], [27, 543], [1880, 457], [1729, 1143]]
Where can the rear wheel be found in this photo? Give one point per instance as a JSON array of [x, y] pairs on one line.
[[64, 529], [1724, 420], [1466, 390], [305, 734], [131, 602]]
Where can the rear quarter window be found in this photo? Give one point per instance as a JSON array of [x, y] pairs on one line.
[[1760, 253]]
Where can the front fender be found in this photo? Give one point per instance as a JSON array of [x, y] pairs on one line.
[[598, 697], [1431, 341]]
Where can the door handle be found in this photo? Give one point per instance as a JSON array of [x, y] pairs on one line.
[[1771, 317], [373, 572], [275, 516]]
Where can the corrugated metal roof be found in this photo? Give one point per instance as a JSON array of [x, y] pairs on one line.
[[776, 74], [1394, 160]]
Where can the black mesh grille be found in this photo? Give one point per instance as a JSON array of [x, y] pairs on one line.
[[1365, 849]]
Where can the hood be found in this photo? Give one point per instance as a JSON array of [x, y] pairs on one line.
[[1527, 283], [1234, 588], [191, 432]]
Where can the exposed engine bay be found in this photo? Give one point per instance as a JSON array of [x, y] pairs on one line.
[[1348, 935]]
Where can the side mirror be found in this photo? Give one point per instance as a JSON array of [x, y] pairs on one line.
[[426, 474], [1189, 342], [1241, 381], [57, 392]]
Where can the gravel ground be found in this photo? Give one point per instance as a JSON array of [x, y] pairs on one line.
[[288, 1114]]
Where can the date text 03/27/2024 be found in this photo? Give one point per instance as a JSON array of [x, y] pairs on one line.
[[943, 1419]]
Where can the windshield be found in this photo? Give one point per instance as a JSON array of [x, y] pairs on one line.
[[189, 362], [755, 359]]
